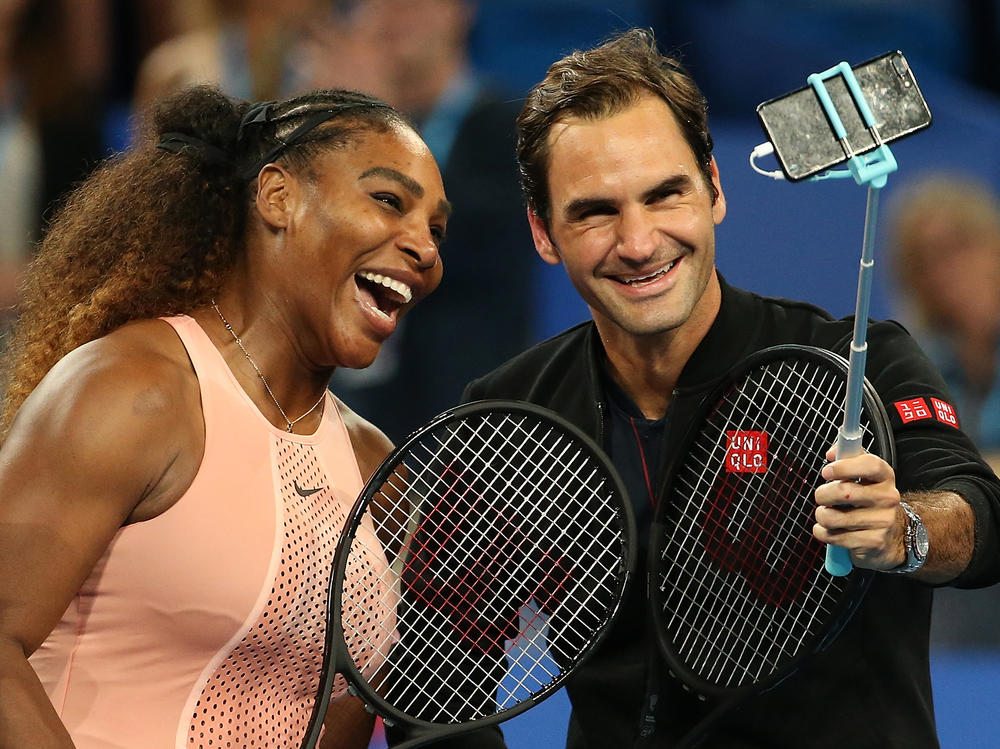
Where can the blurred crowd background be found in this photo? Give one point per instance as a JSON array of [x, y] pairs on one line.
[[74, 75]]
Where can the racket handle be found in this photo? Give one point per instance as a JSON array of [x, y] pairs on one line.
[[838, 560]]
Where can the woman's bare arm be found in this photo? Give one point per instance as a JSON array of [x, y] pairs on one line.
[[105, 439]]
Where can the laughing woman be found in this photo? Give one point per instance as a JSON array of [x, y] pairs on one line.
[[174, 474]]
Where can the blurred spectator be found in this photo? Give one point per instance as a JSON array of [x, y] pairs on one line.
[[944, 234], [53, 69], [20, 160], [414, 53], [246, 47]]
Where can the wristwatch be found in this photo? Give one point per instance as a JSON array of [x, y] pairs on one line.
[[915, 542]]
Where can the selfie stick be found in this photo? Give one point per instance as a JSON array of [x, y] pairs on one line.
[[870, 169]]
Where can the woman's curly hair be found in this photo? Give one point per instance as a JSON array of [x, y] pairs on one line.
[[155, 231]]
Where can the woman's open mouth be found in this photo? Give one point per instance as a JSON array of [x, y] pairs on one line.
[[382, 295]]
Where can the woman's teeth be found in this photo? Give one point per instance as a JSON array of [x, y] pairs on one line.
[[398, 286]]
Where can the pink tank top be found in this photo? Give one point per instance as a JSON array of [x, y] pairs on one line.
[[203, 627]]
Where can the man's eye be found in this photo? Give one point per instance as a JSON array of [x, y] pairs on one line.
[[602, 210], [389, 199], [438, 233], [664, 195]]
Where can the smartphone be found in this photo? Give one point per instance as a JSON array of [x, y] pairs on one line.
[[803, 139]]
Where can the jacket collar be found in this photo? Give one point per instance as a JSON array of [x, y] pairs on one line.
[[731, 338]]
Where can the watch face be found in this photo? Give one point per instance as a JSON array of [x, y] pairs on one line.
[[920, 540]]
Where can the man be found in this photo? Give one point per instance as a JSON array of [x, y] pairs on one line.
[[622, 189]]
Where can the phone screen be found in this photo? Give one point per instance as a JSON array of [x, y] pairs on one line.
[[803, 139]]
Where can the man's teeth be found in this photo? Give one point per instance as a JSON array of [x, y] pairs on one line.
[[398, 286], [652, 276]]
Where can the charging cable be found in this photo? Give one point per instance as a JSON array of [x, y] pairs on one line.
[[764, 149], [767, 148]]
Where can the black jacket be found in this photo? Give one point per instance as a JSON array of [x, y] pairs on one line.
[[872, 687]]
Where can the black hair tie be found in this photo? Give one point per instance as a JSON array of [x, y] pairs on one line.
[[183, 143], [311, 117], [257, 114]]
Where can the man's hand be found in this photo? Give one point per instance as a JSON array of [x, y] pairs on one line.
[[859, 510]]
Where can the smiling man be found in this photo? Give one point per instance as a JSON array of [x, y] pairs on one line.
[[637, 240], [623, 191]]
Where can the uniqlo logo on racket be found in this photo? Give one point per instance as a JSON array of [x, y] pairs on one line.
[[945, 412], [914, 409], [746, 452]]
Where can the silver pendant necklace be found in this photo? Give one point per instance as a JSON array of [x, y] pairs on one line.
[[290, 422]]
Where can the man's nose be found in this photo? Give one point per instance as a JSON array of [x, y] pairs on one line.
[[637, 234]]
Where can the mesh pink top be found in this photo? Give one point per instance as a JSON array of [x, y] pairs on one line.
[[203, 627]]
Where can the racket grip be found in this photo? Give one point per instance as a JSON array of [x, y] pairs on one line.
[[838, 560]]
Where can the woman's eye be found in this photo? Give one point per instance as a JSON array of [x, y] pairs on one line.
[[389, 199]]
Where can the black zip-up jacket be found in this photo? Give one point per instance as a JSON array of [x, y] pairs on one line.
[[872, 687]]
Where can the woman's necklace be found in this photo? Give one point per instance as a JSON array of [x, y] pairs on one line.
[[290, 422]]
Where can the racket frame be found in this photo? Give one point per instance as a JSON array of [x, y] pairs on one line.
[[858, 581], [337, 660]]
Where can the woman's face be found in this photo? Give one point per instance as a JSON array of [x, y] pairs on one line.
[[361, 244]]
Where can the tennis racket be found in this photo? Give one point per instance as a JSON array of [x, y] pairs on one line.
[[738, 587], [485, 559]]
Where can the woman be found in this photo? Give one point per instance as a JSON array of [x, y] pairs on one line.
[[175, 474]]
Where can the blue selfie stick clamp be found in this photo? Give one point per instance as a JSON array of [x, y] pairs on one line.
[[871, 169]]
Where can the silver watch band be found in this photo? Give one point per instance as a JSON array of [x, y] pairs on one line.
[[915, 542]]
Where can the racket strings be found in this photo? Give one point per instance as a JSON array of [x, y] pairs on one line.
[[527, 480], [742, 586], [783, 489], [757, 570], [509, 562], [779, 478], [494, 640], [531, 625]]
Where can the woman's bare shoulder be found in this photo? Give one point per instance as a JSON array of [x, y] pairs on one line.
[[370, 443], [126, 406], [141, 368]]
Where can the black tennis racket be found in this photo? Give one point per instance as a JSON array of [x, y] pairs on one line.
[[485, 559], [739, 590]]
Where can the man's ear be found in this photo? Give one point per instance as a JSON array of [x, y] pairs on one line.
[[543, 243], [275, 195], [719, 206]]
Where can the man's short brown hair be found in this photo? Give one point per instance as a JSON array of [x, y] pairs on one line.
[[599, 83]]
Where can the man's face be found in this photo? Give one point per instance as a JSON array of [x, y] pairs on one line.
[[632, 218]]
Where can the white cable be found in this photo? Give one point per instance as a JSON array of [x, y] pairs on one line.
[[764, 149]]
